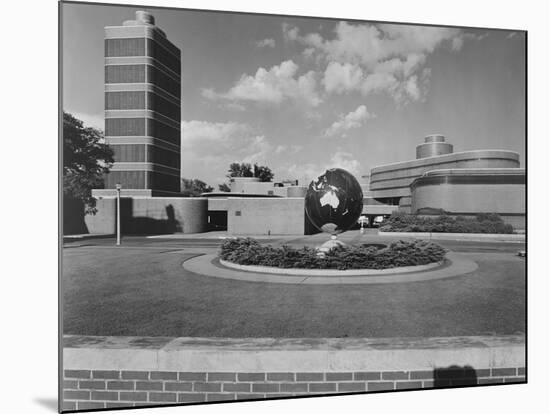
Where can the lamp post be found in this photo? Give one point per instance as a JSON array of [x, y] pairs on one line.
[[118, 187]]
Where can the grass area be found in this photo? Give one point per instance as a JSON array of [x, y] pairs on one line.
[[145, 292]]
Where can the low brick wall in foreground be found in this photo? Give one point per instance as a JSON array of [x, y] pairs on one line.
[[256, 369]]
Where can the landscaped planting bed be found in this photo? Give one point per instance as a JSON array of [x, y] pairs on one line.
[[482, 223], [247, 251]]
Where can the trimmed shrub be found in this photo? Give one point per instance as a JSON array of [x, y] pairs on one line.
[[482, 223], [247, 251]]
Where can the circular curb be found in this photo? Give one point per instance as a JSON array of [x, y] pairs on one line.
[[330, 272], [208, 265]]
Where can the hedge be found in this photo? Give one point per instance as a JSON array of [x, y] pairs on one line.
[[482, 223], [247, 251]]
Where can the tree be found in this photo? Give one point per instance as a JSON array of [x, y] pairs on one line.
[[224, 187], [240, 170], [194, 187], [246, 170], [263, 173], [85, 161]]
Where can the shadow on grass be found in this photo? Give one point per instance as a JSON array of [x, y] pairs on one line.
[[454, 376]]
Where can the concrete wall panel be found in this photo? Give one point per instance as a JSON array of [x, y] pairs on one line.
[[151, 215], [104, 221], [257, 216]]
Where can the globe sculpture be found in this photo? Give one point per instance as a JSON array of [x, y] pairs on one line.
[[334, 201]]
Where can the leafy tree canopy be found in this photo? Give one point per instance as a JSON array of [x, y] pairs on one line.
[[263, 173], [85, 160], [224, 187], [194, 187], [247, 170]]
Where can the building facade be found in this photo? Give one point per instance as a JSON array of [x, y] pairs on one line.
[[142, 109], [460, 183]]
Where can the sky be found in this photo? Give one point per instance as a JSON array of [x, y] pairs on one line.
[[301, 95]]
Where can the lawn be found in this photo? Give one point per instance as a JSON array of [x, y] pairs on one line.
[[144, 291]]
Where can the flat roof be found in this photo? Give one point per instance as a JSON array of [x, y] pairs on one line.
[[440, 158]]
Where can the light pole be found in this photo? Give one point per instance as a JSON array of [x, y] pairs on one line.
[[118, 187]]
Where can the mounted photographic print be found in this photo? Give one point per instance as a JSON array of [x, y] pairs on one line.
[[268, 206]]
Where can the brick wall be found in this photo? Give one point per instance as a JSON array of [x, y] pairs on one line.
[[89, 389], [105, 372]]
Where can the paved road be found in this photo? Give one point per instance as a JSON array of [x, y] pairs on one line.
[[141, 289]]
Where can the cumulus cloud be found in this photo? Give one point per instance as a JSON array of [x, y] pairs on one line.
[[194, 132], [306, 172], [272, 86], [288, 149], [383, 58], [349, 121], [217, 144], [266, 43], [346, 161], [342, 77]]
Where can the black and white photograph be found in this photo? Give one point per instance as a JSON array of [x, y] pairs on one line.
[[277, 206]]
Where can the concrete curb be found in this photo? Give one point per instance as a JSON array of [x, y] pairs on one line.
[[517, 238], [208, 265], [80, 237], [290, 355], [330, 272]]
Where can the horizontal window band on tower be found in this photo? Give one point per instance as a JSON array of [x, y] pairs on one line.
[[143, 73], [145, 166], [131, 179], [125, 126], [142, 60], [151, 32], [161, 156], [156, 51], [129, 140], [142, 127], [143, 180], [130, 153], [161, 130], [125, 47], [142, 87], [146, 153], [160, 181], [125, 100], [143, 113], [126, 33], [142, 47], [125, 73], [157, 77], [163, 106], [135, 46]]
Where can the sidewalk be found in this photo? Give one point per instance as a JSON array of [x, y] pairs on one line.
[[509, 238], [221, 235]]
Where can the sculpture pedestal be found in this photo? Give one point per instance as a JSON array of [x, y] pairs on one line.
[[327, 246]]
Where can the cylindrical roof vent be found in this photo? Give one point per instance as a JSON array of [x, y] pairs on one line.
[[433, 146], [145, 17]]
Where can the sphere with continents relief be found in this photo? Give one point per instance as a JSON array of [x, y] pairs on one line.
[[334, 201]]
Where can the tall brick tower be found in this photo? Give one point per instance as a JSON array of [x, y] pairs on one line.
[[142, 109]]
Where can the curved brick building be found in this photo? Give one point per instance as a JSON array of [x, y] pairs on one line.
[[462, 183]]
